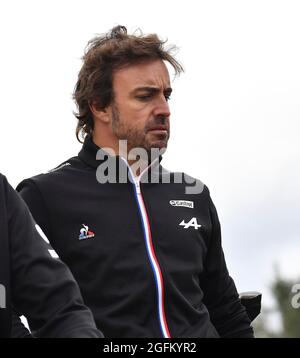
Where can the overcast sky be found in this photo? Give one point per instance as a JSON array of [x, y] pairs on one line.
[[235, 110]]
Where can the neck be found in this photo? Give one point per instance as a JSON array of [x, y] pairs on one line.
[[115, 147], [106, 142]]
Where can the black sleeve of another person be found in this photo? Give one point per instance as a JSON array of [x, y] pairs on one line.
[[220, 294], [43, 288]]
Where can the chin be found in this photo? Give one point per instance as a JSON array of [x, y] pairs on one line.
[[158, 145]]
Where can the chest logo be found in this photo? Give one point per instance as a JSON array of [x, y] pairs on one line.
[[185, 203], [85, 233], [192, 223]]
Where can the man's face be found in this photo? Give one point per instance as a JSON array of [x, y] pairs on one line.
[[140, 112]]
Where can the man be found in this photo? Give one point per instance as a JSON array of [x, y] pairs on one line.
[[144, 244], [31, 281]]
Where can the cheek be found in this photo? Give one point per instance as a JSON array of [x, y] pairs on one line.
[[135, 116], [138, 119]]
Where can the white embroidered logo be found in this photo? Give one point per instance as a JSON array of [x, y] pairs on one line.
[[192, 223], [85, 233], [185, 203]]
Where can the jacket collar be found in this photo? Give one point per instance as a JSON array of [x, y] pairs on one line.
[[89, 150]]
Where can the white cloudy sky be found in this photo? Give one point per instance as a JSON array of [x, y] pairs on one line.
[[235, 110]]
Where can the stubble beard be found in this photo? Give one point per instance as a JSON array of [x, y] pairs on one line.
[[135, 138]]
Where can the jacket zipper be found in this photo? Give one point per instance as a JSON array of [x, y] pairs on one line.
[[150, 251]]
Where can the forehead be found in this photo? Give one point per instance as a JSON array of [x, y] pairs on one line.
[[150, 73]]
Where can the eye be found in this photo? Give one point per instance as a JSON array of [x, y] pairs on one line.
[[167, 97], [144, 98]]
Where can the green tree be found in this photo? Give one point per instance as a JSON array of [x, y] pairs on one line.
[[290, 316], [281, 290]]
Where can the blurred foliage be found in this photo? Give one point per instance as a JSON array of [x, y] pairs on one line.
[[289, 316]]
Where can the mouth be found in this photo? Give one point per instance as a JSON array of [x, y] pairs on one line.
[[160, 130], [159, 127]]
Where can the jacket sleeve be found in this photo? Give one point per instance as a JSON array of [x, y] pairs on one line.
[[32, 196], [220, 294], [43, 288]]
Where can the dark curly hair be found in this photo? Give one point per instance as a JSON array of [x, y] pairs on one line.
[[103, 55]]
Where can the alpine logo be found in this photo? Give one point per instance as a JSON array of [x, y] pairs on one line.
[[85, 233], [192, 223], [185, 203]]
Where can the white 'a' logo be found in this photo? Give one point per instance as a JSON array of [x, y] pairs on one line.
[[192, 223]]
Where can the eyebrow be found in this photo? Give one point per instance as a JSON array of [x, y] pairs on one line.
[[150, 89]]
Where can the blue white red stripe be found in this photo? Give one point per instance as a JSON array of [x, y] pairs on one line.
[[151, 254]]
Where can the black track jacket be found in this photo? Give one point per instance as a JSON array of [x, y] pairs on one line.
[[34, 283], [147, 256]]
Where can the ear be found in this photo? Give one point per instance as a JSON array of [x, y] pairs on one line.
[[101, 114]]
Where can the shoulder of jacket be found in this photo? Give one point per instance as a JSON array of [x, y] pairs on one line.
[[52, 174], [62, 168], [73, 162], [2, 179], [3, 186]]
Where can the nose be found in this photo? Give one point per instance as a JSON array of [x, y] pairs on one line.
[[162, 107]]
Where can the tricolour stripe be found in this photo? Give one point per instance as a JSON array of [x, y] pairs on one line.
[[152, 257], [155, 267]]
